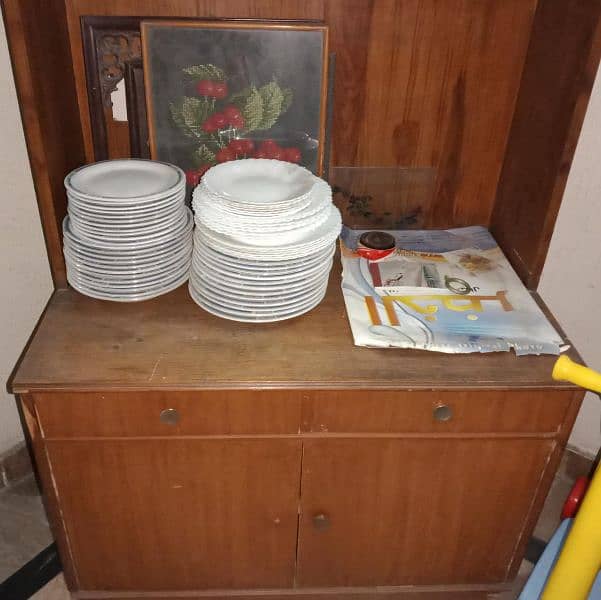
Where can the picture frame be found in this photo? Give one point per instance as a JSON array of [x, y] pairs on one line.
[[221, 90]]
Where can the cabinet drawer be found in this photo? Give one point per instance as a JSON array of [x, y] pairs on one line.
[[139, 414], [435, 412]]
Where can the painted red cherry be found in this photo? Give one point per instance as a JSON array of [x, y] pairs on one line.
[[224, 155], [268, 146], [205, 87], [220, 90], [232, 112], [249, 146], [192, 177], [237, 147], [276, 154], [260, 154], [219, 120], [238, 122], [209, 125], [292, 155]]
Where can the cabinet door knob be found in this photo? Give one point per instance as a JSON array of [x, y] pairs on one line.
[[443, 413], [321, 521], [169, 416]]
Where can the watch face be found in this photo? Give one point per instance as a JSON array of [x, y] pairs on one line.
[[377, 240]]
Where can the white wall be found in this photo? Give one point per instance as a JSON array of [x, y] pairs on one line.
[[571, 280], [24, 272]]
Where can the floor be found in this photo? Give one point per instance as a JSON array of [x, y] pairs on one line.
[[24, 532], [24, 529]]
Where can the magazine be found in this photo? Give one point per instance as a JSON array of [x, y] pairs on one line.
[[442, 290]]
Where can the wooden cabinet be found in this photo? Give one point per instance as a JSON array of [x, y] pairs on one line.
[[183, 455], [179, 514], [415, 511], [165, 492]]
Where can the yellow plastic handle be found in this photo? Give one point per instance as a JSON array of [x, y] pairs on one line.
[[566, 369], [580, 558]]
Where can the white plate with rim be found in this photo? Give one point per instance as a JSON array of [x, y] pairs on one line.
[[100, 295], [119, 270], [126, 259], [259, 181], [133, 286], [263, 276], [257, 289], [251, 264], [122, 232], [130, 179], [148, 240], [247, 317], [259, 304], [127, 212], [317, 239], [249, 289]]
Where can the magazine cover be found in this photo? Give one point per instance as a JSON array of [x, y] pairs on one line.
[[443, 290]]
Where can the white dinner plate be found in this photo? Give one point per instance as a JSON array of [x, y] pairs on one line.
[[246, 317], [259, 303], [131, 297], [122, 180]]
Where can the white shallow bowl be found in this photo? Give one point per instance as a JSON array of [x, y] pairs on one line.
[[259, 181], [125, 180], [293, 246]]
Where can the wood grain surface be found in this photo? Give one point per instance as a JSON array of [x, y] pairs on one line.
[[465, 88], [418, 83], [559, 72], [171, 343], [406, 511], [39, 49], [179, 514]]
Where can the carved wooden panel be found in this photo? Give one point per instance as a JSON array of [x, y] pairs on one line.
[[110, 45]]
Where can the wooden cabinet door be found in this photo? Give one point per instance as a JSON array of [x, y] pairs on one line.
[[415, 511], [179, 514]]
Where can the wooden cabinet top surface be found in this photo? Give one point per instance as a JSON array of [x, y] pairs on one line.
[[171, 343]]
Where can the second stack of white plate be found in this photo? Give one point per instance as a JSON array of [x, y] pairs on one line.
[[264, 240], [128, 234]]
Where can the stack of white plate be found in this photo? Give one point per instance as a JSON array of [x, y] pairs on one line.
[[264, 240], [128, 234]]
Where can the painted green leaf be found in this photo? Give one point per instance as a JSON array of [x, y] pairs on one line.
[[178, 120], [287, 101], [195, 112], [203, 155], [252, 110], [208, 71], [273, 97], [239, 98]]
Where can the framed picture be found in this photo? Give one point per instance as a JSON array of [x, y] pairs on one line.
[[222, 90]]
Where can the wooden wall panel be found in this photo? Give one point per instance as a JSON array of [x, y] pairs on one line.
[[439, 90], [558, 77], [39, 48], [418, 83]]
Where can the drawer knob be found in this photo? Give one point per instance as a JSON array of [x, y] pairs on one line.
[[443, 413], [321, 521], [169, 416]]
